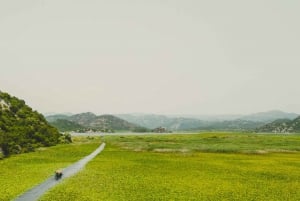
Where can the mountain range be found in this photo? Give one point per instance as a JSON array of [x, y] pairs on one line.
[[222, 122], [146, 122]]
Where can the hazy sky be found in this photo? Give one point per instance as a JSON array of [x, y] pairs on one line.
[[156, 56]]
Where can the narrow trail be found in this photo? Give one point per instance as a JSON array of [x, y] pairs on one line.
[[36, 192]]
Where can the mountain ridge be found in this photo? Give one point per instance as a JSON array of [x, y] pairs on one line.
[[90, 121], [269, 116], [281, 126], [245, 122], [180, 123]]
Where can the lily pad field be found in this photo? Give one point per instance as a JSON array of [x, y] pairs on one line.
[[205, 166]]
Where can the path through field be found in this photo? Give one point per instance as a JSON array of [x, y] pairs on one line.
[[36, 192]]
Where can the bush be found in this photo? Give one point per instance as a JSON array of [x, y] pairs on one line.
[[1, 154], [65, 138]]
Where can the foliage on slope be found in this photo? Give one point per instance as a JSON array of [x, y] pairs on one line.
[[103, 123], [66, 125], [21, 128], [282, 126]]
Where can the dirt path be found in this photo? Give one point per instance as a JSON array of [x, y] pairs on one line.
[[36, 192]]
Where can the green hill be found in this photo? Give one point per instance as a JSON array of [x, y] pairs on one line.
[[52, 118], [114, 123], [281, 126], [66, 125], [21, 128], [90, 121]]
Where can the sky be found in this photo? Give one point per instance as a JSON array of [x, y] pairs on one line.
[[158, 56]]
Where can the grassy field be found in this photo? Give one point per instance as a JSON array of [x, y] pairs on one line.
[[210, 142], [19, 173], [189, 167]]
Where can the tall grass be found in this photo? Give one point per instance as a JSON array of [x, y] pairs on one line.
[[210, 142]]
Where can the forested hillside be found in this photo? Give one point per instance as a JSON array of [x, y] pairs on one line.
[[90, 121], [21, 128], [64, 125], [281, 126]]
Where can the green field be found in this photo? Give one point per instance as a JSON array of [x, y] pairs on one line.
[[19, 173], [214, 166]]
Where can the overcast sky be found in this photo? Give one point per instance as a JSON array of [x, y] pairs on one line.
[[156, 56]]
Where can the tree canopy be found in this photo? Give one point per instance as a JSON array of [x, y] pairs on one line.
[[21, 128]]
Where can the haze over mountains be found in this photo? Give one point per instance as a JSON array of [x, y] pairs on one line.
[[259, 116], [269, 116], [223, 122], [14, 114], [146, 122]]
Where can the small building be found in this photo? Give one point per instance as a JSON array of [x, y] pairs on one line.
[[160, 130]]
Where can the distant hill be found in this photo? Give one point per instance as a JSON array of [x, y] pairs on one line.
[[269, 116], [52, 118], [105, 123], [66, 125], [233, 125], [84, 119], [21, 128], [282, 126], [152, 121], [210, 118]]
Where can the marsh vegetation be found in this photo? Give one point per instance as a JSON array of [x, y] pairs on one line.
[[213, 166]]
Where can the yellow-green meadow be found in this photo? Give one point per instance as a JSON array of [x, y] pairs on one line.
[[19, 173], [213, 166]]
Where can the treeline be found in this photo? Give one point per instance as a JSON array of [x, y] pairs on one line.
[[22, 129]]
